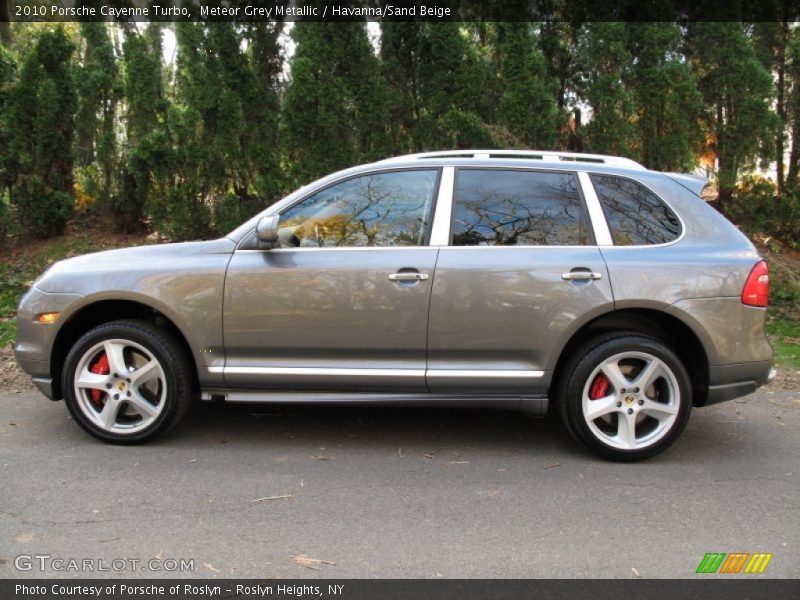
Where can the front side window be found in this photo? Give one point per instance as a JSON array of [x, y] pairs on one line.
[[380, 209], [495, 207], [635, 215]]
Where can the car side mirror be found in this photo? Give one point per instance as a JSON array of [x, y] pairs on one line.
[[267, 231]]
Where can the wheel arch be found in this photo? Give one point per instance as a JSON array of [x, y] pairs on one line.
[[105, 310], [667, 328]]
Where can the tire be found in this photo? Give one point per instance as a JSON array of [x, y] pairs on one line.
[[127, 382], [625, 396]]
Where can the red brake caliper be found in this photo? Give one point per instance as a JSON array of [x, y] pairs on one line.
[[598, 389], [100, 367]]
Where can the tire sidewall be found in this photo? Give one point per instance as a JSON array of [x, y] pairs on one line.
[[142, 336], [594, 355]]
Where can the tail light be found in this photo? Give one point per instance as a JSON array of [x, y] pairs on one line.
[[756, 289]]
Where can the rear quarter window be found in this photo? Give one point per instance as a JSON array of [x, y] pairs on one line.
[[635, 215]]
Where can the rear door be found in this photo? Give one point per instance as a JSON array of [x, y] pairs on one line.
[[342, 303], [522, 266]]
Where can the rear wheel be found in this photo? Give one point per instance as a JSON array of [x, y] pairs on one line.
[[127, 381], [625, 396]]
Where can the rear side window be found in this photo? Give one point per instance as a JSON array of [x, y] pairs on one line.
[[635, 215], [495, 207]]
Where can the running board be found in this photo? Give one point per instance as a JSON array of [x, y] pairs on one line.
[[532, 404]]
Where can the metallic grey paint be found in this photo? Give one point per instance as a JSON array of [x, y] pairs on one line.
[[255, 319]]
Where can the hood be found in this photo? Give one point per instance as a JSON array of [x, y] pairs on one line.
[[139, 258]]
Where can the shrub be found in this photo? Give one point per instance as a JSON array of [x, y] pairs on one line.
[[231, 210], [759, 211]]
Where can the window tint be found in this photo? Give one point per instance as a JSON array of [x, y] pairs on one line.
[[383, 209], [514, 208], [635, 215]]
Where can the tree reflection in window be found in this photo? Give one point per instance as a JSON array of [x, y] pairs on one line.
[[514, 208], [382, 209], [635, 215]]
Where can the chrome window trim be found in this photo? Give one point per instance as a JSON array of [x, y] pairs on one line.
[[443, 215], [602, 233], [480, 373]]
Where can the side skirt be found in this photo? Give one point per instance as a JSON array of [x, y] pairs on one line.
[[532, 404]]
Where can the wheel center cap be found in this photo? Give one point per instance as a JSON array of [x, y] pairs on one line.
[[121, 386], [629, 399]]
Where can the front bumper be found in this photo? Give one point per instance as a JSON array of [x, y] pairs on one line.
[[35, 340]]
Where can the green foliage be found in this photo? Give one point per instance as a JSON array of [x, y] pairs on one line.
[[606, 65], [7, 76], [737, 91], [231, 210], [667, 103], [527, 98], [99, 92], [453, 86], [335, 108], [761, 212], [40, 124]]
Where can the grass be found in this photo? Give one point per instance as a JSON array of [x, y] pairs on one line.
[[784, 333]]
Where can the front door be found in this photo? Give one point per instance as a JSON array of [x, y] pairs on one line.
[[342, 302]]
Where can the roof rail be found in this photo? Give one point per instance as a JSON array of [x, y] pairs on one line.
[[604, 159]]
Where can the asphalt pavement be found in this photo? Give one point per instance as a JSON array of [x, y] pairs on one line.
[[260, 491]]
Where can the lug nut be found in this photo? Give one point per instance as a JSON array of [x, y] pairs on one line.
[[622, 391], [116, 376], [635, 390], [116, 396], [128, 394], [619, 404], [630, 411], [108, 386], [641, 402], [128, 379]]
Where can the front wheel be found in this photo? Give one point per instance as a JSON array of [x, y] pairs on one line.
[[127, 381], [625, 396]]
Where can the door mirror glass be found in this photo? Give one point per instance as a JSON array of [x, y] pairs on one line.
[[267, 231]]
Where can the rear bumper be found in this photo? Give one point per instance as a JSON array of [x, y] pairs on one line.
[[734, 381]]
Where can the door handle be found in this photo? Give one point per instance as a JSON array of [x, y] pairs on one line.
[[408, 276], [581, 276]]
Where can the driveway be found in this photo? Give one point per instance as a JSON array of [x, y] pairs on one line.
[[259, 491]]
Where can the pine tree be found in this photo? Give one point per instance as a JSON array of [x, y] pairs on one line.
[[41, 125], [527, 103], [737, 91], [148, 161], [99, 92], [400, 55], [7, 75], [334, 111], [605, 67], [666, 101], [453, 89]]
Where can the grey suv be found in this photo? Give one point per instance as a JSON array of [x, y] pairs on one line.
[[581, 284]]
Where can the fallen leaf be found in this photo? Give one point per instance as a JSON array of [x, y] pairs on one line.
[[495, 493], [636, 571], [310, 563], [24, 538], [553, 466], [269, 498], [160, 555], [3, 561], [322, 457], [211, 567], [458, 462]]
